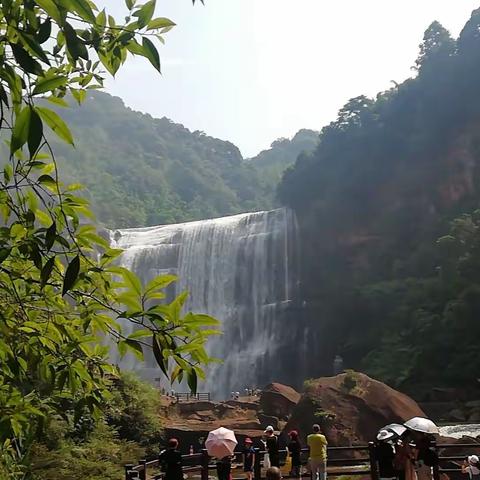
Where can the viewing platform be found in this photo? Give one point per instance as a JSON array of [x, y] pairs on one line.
[[348, 461]]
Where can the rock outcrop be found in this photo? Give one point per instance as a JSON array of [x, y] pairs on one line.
[[277, 400], [350, 408]]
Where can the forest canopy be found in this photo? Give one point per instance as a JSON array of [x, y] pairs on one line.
[[387, 206]]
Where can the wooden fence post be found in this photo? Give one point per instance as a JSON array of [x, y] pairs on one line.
[[143, 471], [436, 465], [205, 459], [373, 461], [257, 466], [128, 467]]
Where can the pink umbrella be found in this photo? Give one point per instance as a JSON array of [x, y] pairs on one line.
[[221, 443]]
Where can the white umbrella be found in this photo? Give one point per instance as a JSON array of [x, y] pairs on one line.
[[424, 425], [221, 443], [396, 428], [385, 435]]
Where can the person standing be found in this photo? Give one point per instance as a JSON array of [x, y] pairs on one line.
[[272, 447], [171, 461], [405, 456], [472, 467], [318, 454], [294, 447], [224, 467], [385, 454], [426, 456], [248, 458]]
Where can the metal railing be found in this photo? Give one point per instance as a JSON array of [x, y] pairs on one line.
[[199, 397], [360, 464]]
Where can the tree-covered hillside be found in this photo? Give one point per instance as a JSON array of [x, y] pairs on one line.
[[385, 182], [282, 154], [143, 171], [140, 170]]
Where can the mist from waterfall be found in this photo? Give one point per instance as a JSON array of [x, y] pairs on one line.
[[240, 269]]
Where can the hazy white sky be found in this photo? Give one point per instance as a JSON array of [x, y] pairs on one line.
[[250, 71]]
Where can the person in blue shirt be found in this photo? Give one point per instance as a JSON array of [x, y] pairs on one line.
[[248, 458]]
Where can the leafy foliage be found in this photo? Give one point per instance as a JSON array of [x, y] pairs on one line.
[[131, 430], [60, 291], [144, 171], [140, 170], [387, 178]]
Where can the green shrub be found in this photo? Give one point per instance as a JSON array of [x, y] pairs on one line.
[[134, 411], [101, 457]]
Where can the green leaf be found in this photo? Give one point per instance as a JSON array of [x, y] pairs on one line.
[[130, 300], [132, 281], [134, 47], [130, 4], [71, 275], [175, 373], [7, 173], [44, 31], [192, 380], [25, 61], [151, 52], [35, 47], [20, 130], [101, 19], [47, 271], [159, 282], [157, 353], [76, 47], [4, 253], [79, 95], [48, 84], [160, 22], [55, 122], [82, 7], [57, 101], [35, 134], [135, 347], [46, 180], [50, 8], [140, 334], [145, 13], [50, 236]]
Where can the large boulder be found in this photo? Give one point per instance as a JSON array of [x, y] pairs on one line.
[[278, 400], [350, 408]]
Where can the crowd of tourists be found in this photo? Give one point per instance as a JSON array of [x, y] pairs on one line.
[[400, 453], [171, 458]]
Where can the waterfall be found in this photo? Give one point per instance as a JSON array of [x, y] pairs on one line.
[[239, 269]]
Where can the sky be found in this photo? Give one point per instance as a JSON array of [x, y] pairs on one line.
[[251, 71]]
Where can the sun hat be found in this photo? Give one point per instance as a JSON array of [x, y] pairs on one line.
[[473, 459], [248, 440], [269, 429]]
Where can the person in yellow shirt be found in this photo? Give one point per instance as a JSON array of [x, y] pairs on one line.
[[318, 454]]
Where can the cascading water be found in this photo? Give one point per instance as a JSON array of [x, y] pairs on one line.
[[239, 269]]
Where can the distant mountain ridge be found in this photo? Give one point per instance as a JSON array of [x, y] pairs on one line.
[[139, 170]]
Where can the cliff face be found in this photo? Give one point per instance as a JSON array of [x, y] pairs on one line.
[[390, 235], [405, 210]]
